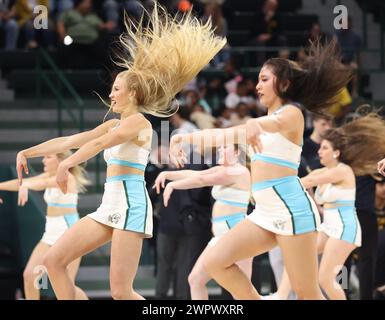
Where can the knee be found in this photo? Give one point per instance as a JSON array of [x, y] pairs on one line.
[[195, 279], [28, 275], [53, 262]]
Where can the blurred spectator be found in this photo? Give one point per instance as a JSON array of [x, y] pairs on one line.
[[184, 231], [266, 30], [214, 93], [241, 115], [213, 10], [313, 34], [202, 119], [341, 107], [380, 212], [225, 118], [109, 11], [242, 94], [351, 45], [25, 19], [192, 99], [312, 144], [367, 253], [9, 24], [180, 121], [79, 32]]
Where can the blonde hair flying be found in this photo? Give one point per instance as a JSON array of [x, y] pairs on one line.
[[165, 53], [77, 171]]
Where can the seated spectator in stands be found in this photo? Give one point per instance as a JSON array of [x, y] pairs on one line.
[[109, 11], [192, 98], [380, 212], [80, 33], [202, 119], [266, 30], [214, 93], [181, 121], [213, 10], [225, 118], [351, 45], [241, 114], [25, 19], [313, 34], [242, 94], [9, 24], [312, 144]]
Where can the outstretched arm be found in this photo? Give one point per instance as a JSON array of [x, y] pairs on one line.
[[130, 128], [215, 176], [58, 145], [319, 177], [13, 185], [160, 180]]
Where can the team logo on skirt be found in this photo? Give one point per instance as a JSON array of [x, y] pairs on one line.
[[114, 218], [279, 224]]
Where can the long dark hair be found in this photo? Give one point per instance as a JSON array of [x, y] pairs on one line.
[[315, 82]]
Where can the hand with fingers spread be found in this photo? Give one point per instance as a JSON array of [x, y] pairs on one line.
[[22, 198], [253, 133], [21, 165], [177, 155], [381, 167], [167, 193], [160, 181], [62, 176]]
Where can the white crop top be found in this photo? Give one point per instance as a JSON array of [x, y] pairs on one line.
[[55, 198], [231, 196], [278, 150], [127, 154]]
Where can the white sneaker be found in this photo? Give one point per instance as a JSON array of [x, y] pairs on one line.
[[272, 296]]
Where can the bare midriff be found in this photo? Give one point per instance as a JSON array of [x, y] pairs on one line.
[[262, 171], [222, 209], [53, 211], [114, 170]]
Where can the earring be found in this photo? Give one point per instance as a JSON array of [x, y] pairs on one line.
[[334, 156]]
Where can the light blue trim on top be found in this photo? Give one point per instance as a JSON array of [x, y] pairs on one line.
[[126, 177], [62, 205], [126, 164], [345, 203], [280, 108], [272, 182], [233, 203], [279, 162]]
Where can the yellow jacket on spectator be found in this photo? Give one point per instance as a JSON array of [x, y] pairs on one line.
[[24, 9], [343, 101]]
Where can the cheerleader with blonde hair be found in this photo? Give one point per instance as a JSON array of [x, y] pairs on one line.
[[165, 54], [61, 215]]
